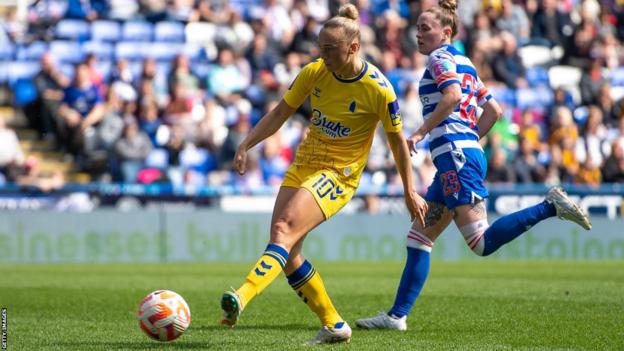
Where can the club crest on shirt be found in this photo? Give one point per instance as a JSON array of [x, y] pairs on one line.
[[327, 126]]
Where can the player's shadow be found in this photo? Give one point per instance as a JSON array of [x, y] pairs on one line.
[[256, 327], [138, 345]]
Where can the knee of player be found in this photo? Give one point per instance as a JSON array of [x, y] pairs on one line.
[[281, 234], [473, 234]]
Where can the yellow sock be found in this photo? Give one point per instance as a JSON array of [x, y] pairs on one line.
[[264, 272], [307, 282]]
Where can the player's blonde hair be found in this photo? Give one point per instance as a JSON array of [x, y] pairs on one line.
[[445, 13], [347, 19]]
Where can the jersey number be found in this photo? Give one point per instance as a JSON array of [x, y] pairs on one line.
[[466, 110], [450, 183], [324, 185]]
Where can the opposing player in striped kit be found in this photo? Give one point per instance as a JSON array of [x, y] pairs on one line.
[[450, 91]]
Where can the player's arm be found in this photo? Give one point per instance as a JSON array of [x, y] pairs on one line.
[[416, 205], [492, 112], [268, 125], [451, 96]]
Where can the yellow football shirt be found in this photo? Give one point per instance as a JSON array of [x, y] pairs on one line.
[[345, 114]]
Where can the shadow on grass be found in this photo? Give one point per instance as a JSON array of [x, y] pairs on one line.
[[297, 327], [138, 345]]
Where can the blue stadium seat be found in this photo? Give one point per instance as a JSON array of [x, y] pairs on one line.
[[617, 77], [102, 50], [24, 91], [198, 159], [22, 70], [504, 95], [137, 31], [67, 51], [161, 51], [169, 31], [7, 52], [157, 158], [105, 31], [537, 76], [538, 97], [130, 50], [202, 70], [73, 29], [32, 52], [104, 67], [68, 70], [194, 52]]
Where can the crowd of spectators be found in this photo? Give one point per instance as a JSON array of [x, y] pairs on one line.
[[173, 109]]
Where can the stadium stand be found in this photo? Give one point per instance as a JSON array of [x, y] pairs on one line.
[[193, 76]]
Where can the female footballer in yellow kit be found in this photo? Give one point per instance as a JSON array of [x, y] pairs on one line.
[[349, 97]]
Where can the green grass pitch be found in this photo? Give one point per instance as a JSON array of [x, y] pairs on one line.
[[482, 305]]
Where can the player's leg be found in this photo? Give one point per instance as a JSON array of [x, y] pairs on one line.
[[308, 284], [483, 239], [297, 213], [419, 245]]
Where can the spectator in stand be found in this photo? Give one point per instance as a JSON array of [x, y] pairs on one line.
[[11, 155], [96, 77], [513, 19], [591, 82], [81, 9], [181, 75], [613, 170], [49, 83], [499, 170], [481, 37], [612, 110], [592, 143], [82, 107], [273, 163], [261, 56], [588, 174], [507, 65], [123, 10], [131, 150], [551, 27], [305, 40], [526, 167], [226, 77], [212, 131], [149, 121]]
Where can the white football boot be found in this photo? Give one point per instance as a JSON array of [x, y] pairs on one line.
[[341, 332], [232, 308], [566, 209], [383, 321]]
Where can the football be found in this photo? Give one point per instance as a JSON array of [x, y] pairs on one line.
[[164, 315]]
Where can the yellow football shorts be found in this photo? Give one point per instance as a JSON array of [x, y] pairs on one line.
[[330, 190]]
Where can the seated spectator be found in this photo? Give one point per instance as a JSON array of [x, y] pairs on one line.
[[499, 170], [226, 77], [131, 150], [50, 83], [613, 170], [507, 65], [11, 155], [526, 167], [81, 108], [181, 75], [513, 19]]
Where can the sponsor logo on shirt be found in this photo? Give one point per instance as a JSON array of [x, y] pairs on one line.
[[327, 126]]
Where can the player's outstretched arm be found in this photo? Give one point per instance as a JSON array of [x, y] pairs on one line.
[[451, 96], [416, 205], [492, 111], [268, 125]]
